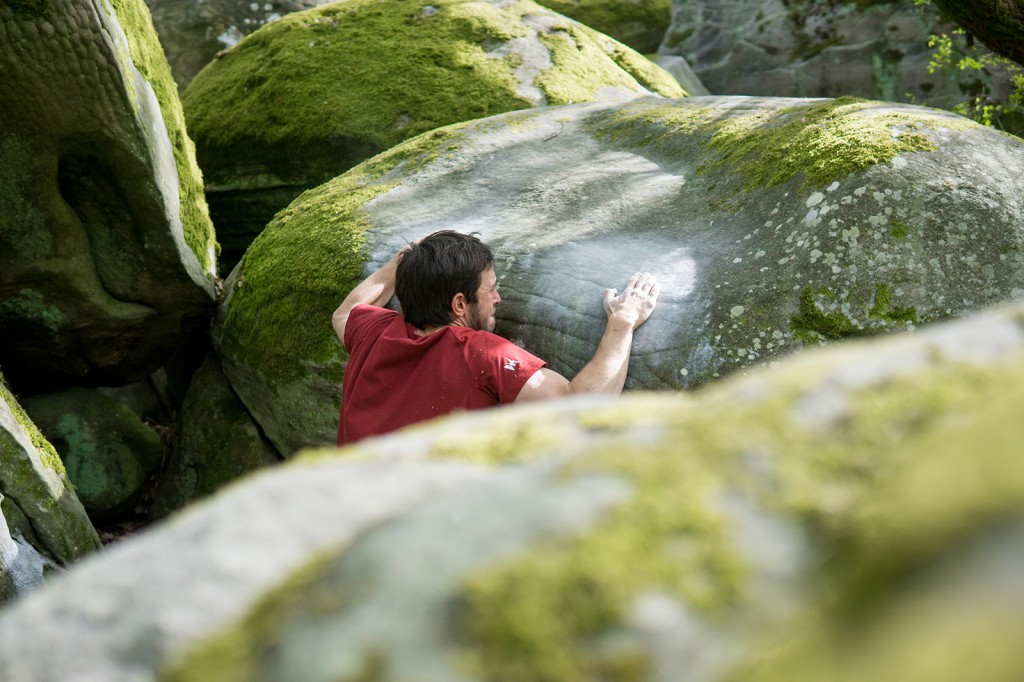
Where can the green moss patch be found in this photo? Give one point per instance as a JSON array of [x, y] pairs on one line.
[[47, 454], [149, 59], [885, 310], [815, 144], [812, 323], [28, 304], [819, 142]]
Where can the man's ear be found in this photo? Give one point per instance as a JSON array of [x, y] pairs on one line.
[[459, 305]]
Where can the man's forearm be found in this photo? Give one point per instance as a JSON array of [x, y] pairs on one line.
[[606, 372], [377, 289]]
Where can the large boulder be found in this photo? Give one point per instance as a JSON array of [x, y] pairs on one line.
[[801, 48], [217, 442], [771, 223], [858, 508], [313, 94], [106, 248], [108, 452], [39, 502]]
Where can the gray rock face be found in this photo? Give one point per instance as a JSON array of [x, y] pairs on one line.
[[36, 489], [729, 536], [192, 32], [106, 250], [108, 452], [804, 48], [771, 223]]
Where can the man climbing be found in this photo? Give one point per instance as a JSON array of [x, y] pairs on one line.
[[441, 356]]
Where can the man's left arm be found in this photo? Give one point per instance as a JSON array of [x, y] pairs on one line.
[[376, 290]]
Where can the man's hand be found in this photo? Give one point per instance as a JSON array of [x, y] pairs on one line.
[[606, 371], [636, 303]]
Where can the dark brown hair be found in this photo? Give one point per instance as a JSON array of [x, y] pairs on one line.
[[435, 269]]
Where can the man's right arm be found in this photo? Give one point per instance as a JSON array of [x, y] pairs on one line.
[[606, 372]]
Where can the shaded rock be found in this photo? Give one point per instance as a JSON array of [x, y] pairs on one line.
[[218, 441], [811, 48], [192, 32], [36, 488], [640, 24], [313, 94], [771, 223], [853, 495], [106, 248], [107, 450]]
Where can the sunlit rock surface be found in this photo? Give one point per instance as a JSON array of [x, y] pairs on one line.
[[106, 248], [311, 95], [771, 224], [857, 510]]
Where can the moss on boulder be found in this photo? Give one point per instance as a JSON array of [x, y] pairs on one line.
[[316, 92]]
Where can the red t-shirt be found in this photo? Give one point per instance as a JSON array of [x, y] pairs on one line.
[[395, 377]]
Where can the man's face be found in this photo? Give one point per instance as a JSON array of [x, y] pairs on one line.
[[481, 313]]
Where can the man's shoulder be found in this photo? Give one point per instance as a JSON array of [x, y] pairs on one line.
[[364, 310]]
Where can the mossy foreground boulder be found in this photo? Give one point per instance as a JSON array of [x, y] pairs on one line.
[[854, 514], [313, 94], [771, 223], [38, 502], [106, 248]]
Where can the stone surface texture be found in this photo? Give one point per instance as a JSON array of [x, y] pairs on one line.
[[106, 248], [771, 224]]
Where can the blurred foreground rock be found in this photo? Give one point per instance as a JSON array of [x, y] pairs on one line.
[[856, 513]]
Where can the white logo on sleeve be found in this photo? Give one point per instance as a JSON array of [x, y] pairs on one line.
[[511, 364]]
